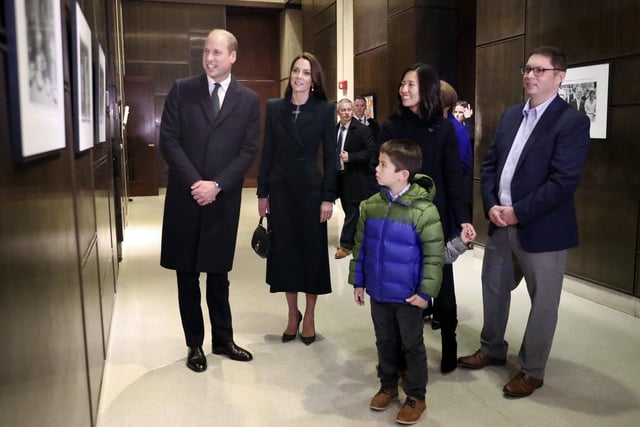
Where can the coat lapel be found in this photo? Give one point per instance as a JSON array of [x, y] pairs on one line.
[[549, 116], [231, 100]]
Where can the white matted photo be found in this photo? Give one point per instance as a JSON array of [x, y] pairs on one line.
[[82, 81], [587, 90], [100, 95], [36, 80]]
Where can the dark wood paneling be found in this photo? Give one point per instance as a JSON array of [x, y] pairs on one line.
[[40, 298], [437, 35], [372, 76], [369, 25], [325, 48], [92, 312], [103, 173], [164, 73], [587, 30], [500, 19], [611, 178], [467, 51], [258, 33], [623, 81], [499, 85], [324, 18], [402, 46]]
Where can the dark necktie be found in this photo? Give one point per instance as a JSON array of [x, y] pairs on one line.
[[214, 98], [339, 146]]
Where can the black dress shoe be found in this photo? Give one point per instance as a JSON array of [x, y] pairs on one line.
[[196, 360], [291, 337], [232, 351]]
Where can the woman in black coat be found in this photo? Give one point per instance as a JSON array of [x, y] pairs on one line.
[[298, 190], [419, 117]]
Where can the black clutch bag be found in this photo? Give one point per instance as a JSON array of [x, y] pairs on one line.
[[261, 239]]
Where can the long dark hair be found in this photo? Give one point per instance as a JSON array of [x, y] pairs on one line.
[[317, 77], [429, 108]]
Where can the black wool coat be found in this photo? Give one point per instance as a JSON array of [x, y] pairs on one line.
[[197, 145]]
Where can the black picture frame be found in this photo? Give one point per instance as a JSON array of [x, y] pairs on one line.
[[82, 47], [35, 77]]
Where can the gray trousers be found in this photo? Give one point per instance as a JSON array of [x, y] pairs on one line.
[[504, 265]]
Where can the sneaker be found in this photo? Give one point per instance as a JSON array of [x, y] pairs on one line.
[[383, 398], [411, 411]]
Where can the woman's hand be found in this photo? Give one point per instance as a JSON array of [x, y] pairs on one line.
[[263, 206], [326, 209]]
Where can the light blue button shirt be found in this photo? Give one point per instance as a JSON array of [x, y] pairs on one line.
[[530, 120]]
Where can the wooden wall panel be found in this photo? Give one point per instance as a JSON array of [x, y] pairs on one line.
[[437, 40], [372, 76], [325, 49], [258, 63], [587, 30], [402, 46], [611, 178], [92, 308], [499, 85], [369, 25], [500, 19], [623, 81], [40, 297], [258, 43]]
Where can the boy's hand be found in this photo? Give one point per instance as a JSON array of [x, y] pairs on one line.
[[468, 233], [358, 295], [417, 300]]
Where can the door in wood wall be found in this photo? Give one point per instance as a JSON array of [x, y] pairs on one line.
[[141, 141]]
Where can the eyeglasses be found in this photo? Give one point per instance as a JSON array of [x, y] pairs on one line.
[[537, 71]]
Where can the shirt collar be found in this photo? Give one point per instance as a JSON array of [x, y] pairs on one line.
[[538, 110], [224, 85]]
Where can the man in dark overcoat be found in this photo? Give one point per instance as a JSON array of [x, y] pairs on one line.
[[209, 138], [357, 151]]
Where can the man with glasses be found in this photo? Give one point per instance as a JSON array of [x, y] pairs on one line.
[[528, 180]]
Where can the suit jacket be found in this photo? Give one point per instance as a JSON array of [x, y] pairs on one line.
[[574, 103], [200, 146], [545, 178], [358, 182]]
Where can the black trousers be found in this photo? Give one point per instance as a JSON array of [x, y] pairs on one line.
[[400, 344], [351, 216], [189, 301]]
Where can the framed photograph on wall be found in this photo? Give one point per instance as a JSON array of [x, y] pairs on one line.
[[371, 101], [35, 77], [587, 90], [100, 94], [82, 81]]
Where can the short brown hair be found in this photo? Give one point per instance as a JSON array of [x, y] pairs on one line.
[[405, 154], [448, 96]]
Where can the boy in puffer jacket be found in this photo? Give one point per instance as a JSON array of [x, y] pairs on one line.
[[398, 256]]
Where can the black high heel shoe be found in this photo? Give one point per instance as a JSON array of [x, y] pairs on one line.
[[291, 337], [308, 340]]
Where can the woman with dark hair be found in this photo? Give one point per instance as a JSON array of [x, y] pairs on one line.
[[419, 117], [297, 195]]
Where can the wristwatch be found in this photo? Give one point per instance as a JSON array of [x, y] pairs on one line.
[[218, 186]]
